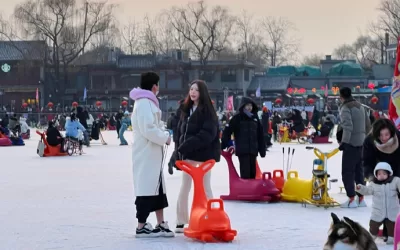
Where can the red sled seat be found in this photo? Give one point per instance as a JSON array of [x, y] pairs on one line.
[[50, 150], [321, 139]]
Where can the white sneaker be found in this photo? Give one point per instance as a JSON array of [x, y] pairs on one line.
[[164, 228], [349, 204], [390, 241], [148, 232], [179, 228], [362, 203]]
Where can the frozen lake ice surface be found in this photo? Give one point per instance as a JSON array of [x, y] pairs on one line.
[[87, 202]]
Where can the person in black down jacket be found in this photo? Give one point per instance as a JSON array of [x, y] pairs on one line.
[[298, 125], [174, 127], [83, 117], [249, 137], [381, 145], [54, 137], [198, 142], [265, 124]]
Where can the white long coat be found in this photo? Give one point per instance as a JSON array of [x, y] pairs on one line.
[[149, 137]]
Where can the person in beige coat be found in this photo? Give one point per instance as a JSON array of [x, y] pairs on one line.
[[385, 202]]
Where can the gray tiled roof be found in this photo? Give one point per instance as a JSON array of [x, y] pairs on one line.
[[20, 50], [136, 61], [269, 83], [225, 63]]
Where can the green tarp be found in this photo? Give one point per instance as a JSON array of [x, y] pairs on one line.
[[282, 70], [307, 70], [346, 69], [294, 71]]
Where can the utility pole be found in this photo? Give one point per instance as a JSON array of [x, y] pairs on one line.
[[85, 26]]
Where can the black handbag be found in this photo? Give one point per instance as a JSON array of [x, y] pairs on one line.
[[339, 134]]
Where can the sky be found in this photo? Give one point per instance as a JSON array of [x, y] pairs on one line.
[[321, 25]]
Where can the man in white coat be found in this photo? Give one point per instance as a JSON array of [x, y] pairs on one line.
[[149, 138]]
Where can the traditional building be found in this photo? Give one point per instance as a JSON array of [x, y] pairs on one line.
[[21, 71]]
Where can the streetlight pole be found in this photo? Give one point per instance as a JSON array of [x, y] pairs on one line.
[[226, 96]]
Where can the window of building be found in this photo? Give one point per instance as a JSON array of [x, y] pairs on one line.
[[206, 76], [228, 75]]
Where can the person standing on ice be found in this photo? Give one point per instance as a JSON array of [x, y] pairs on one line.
[[351, 134], [149, 137], [249, 137], [125, 123], [198, 142]]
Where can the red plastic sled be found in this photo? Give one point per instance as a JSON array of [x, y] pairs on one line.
[[25, 136], [278, 178], [263, 189], [318, 139], [206, 223], [50, 150]]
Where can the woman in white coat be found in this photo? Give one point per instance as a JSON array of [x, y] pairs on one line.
[[198, 142], [149, 137]]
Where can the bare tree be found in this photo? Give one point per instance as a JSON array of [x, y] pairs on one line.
[[132, 37], [279, 46], [366, 50], [206, 29], [313, 60], [110, 37], [389, 18], [159, 35], [343, 52], [67, 26], [248, 39]]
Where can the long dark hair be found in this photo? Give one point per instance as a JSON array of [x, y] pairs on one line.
[[205, 103], [380, 124]]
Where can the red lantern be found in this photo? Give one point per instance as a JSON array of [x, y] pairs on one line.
[[278, 101], [75, 104], [374, 100], [212, 102], [50, 104], [24, 105], [290, 90], [98, 103], [124, 103], [310, 101], [302, 91], [322, 88], [371, 86]]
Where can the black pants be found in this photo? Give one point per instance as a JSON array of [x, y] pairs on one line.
[[388, 226], [267, 139], [275, 131], [60, 141], [351, 169], [118, 128], [147, 204], [247, 166]]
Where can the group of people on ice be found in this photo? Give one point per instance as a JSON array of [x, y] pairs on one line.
[[196, 138], [371, 153]]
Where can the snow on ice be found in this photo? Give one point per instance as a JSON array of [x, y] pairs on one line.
[[87, 202]]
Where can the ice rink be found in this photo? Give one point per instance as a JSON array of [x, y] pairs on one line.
[[87, 202]]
